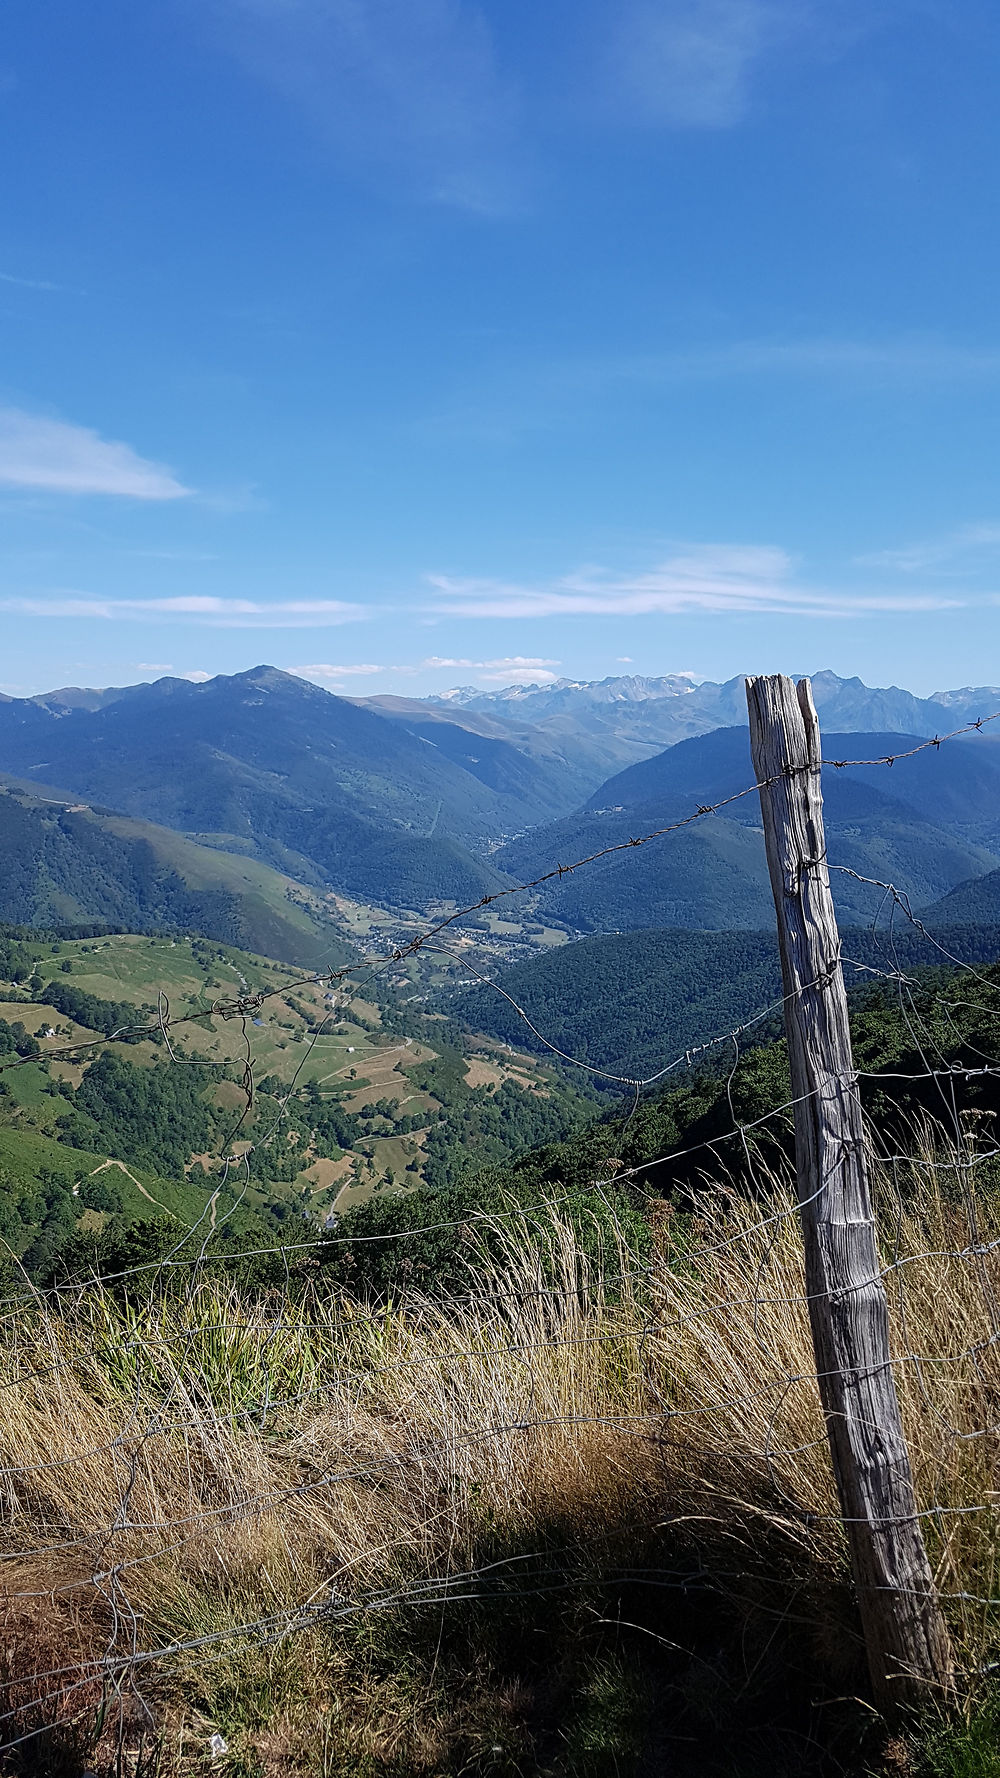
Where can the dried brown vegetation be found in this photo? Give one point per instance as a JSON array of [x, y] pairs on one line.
[[321, 1531]]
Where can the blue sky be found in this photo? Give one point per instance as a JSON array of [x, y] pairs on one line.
[[422, 342]]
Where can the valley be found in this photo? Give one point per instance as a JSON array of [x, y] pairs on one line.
[[499, 1060], [352, 1093], [419, 1232]]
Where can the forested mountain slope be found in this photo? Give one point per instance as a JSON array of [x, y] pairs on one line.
[[956, 786], [316, 785], [571, 764], [719, 1119], [926, 824], [968, 904], [67, 864], [633, 1002]]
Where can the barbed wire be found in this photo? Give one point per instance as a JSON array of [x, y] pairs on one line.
[[249, 1003], [167, 1412]]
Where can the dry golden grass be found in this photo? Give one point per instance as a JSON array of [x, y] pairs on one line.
[[262, 1479]]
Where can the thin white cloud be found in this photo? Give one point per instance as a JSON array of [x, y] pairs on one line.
[[958, 552], [554, 394], [921, 357], [690, 64], [59, 457], [697, 64], [405, 90], [28, 283], [714, 578], [515, 669], [197, 675], [324, 670], [506, 661], [912, 357], [212, 613], [520, 676]]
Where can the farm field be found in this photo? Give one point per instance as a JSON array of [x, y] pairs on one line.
[[351, 1097]]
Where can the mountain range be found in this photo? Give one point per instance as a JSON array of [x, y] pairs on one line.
[[415, 801], [316, 786], [628, 717], [926, 823]]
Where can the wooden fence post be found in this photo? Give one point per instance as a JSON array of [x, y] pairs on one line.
[[905, 1635]]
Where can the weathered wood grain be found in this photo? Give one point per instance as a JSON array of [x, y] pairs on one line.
[[905, 1634]]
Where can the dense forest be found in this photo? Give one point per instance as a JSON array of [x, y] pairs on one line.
[[632, 1002], [912, 1042]]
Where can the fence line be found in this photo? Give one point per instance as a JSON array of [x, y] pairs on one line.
[[652, 1279]]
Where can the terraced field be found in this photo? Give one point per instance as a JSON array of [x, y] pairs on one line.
[[349, 1099]]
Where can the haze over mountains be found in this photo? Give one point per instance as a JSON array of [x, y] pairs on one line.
[[414, 801], [628, 717]]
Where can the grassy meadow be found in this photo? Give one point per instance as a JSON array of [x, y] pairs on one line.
[[308, 1038], [578, 1519]]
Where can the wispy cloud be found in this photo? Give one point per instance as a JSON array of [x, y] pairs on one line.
[[515, 669], [691, 63], [550, 395], [520, 676], [713, 577], [960, 552], [197, 675], [910, 357], [506, 663], [324, 670], [510, 669], [59, 457], [437, 98], [28, 283], [404, 89], [697, 63], [212, 613]]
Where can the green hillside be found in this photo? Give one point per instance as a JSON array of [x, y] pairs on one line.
[[349, 1098], [712, 875], [65, 863], [339, 795], [968, 904], [689, 1129], [927, 824], [633, 1002], [956, 787]]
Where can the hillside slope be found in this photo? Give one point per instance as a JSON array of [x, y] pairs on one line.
[[969, 904], [956, 786], [926, 824], [634, 1002], [350, 1098], [66, 864], [570, 765], [314, 784]]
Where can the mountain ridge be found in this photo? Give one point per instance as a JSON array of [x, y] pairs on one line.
[[918, 823], [409, 802], [318, 786]]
